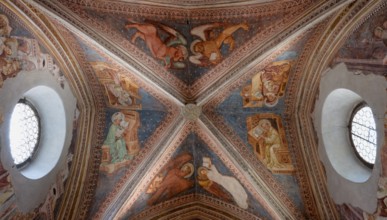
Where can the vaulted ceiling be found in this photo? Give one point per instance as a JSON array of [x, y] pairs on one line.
[[193, 109]]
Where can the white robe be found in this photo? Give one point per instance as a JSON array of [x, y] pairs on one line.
[[231, 184]]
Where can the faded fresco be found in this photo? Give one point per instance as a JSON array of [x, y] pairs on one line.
[[222, 186], [194, 168], [132, 117], [126, 100], [18, 52], [7, 194], [120, 90], [170, 46], [186, 49], [267, 136], [174, 178], [212, 37], [267, 86], [121, 144], [253, 111], [171, 50], [366, 48]]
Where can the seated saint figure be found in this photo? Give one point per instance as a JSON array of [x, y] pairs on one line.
[[115, 140]]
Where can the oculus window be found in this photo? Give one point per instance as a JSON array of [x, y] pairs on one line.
[[24, 132], [363, 134]]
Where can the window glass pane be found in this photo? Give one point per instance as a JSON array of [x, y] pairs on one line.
[[24, 132], [363, 131]]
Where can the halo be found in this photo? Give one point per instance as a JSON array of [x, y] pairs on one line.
[[117, 115], [191, 166], [271, 104]]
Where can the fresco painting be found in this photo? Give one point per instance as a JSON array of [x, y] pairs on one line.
[[171, 50], [254, 114], [175, 177], [121, 91], [203, 173], [6, 189], [267, 136], [207, 49], [121, 144], [267, 86], [366, 48], [186, 48], [132, 117], [21, 53], [225, 187]]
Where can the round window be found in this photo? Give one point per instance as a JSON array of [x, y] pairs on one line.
[[24, 132], [363, 134]]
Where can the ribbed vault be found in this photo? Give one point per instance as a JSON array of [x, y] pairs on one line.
[[203, 111]]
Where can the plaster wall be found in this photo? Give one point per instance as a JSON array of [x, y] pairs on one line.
[[56, 107], [348, 180]]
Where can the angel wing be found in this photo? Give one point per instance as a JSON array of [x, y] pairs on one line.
[[199, 31], [195, 59], [178, 38]]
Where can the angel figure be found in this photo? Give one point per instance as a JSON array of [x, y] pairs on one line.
[[174, 178], [211, 186], [218, 184], [206, 50], [172, 50]]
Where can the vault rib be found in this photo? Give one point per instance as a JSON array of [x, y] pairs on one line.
[[76, 25], [304, 22]]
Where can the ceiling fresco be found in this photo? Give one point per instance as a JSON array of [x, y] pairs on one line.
[[194, 168], [22, 52], [136, 117], [366, 49], [193, 108], [187, 52], [250, 112]]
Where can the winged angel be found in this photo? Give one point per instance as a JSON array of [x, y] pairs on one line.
[[207, 49], [171, 50]]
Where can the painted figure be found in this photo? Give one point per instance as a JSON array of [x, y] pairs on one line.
[[20, 53], [5, 29], [269, 138], [132, 122], [207, 50], [121, 95], [267, 85], [121, 144], [172, 50], [380, 33], [229, 183], [121, 90], [211, 186], [173, 179], [6, 189], [115, 139]]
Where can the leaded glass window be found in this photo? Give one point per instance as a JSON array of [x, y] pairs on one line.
[[24, 132], [363, 134]]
